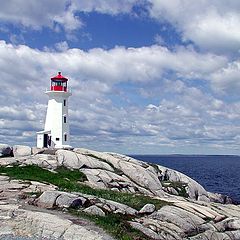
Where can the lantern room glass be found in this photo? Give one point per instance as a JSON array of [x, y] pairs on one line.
[[58, 85]]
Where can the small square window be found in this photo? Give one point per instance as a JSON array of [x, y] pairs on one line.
[[57, 139]]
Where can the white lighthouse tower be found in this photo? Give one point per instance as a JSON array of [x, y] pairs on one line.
[[56, 130]]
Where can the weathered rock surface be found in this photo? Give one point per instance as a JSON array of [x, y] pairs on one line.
[[194, 189], [114, 171], [94, 210], [21, 150], [148, 208], [42, 225], [51, 199], [200, 215], [185, 220], [76, 161]]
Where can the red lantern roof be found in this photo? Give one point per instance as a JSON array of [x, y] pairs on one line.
[[59, 77]]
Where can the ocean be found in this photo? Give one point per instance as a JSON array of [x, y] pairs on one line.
[[216, 173]]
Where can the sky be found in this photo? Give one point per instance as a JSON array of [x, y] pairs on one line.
[[147, 76]]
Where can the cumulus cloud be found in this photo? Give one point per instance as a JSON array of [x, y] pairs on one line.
[[184, 115], [38, 14], [112, 7], [55, 14], [211, 25], [227, 80]]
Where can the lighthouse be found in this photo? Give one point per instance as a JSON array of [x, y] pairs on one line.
[[56, 130]]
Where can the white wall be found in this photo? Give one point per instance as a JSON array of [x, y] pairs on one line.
[[54, 118]]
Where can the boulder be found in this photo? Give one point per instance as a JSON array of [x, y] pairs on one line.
[[73, 160], [5, 150], [48, 199], [67, 200], [148, 208], [117, 207], [94, 210], [68, 159], [21, 151]]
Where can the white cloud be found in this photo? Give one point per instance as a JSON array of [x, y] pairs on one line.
[[112, 7], [38, 14], [184, 115], [212, 25], [55, 13], [227, 79], [159, 39], [62, 46]]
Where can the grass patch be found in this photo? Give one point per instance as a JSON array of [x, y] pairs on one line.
[[114, 224], [68, 180], [61, 178]]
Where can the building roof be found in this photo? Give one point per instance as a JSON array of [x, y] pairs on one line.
[[60, 77]]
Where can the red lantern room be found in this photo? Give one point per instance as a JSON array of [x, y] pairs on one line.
[[59, 83]]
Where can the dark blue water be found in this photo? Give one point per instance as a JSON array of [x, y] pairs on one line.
[[220, 174]]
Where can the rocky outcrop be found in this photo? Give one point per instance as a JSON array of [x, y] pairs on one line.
[[51, 199], [5, 150], [188, 212], [73, 160], [193, 189], [21, 150], [190, 221], [176, 220], [46, 225], [116, 172]]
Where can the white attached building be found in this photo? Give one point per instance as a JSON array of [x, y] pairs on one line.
[[56, 130]]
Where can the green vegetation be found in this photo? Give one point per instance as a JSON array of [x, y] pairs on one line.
[[63, 177], [70, 180], [180, 187], [115, 224]]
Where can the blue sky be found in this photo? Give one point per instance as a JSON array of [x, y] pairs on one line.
[[148, 76]]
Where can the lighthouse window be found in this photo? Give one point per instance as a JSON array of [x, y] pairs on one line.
[[64, 102], [64, 119], [65, 137]]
